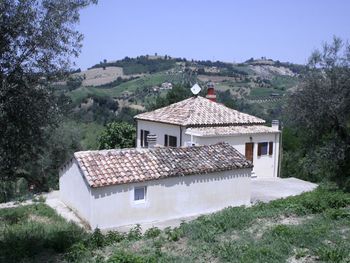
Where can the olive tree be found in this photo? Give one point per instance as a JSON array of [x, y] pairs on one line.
[[38, 38]]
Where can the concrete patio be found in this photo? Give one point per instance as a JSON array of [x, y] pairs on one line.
[[265, 190]]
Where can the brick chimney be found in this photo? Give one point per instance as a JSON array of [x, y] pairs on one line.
[[152, 140], [211, 92]]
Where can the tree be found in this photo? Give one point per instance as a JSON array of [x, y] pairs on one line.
[[320, 113], [37, 40], [117, 135]]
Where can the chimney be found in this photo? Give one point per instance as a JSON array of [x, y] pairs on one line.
[[275, 124], [151, 140], [211, 92]]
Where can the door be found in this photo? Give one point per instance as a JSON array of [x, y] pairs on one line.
[[249, 150]]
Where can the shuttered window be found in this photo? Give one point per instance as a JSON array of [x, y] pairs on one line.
[[143, 137], [262, 148], [270, 148], [165, 140], [170, 140]]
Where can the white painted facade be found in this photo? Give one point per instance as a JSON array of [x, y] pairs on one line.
[[75, 191], [169, 198], [265, 166]]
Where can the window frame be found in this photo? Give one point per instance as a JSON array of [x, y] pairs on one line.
[[167, 139], [260, 147], [143, 138], [140, 201]]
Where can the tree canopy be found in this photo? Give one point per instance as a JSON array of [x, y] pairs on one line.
[[37, 41], [319, 113], [117, 135]]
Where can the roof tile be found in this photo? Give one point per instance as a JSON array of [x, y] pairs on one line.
[[156, 163]]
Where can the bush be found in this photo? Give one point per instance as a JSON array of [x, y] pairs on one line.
[[114, 237], [135, 233], [77, 252], [127, 257], [152, 232], [97, 239]]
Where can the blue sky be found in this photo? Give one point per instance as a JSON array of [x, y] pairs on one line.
[[231, 31]]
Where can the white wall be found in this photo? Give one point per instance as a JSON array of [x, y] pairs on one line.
[[170, 198], [75, 191], [159, 129], [264, 166]]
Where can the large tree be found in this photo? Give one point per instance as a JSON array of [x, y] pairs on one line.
[[38, 38], [319, 111]]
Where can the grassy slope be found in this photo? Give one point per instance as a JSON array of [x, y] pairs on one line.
[[313, 226], [129, 86]]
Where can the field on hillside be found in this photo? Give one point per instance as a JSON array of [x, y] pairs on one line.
[[311, 227], [126, 87]]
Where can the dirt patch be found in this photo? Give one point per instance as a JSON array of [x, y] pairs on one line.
[[260, 226], [302, 256], [40, 219]]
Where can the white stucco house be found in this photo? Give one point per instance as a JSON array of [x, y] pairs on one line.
[[202, 121], [112, 188]]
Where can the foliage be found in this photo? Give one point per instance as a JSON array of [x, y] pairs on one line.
[[117, 135], [236, 234], [176, 94], [322, 121], [152, 232], [38, 39], [29, 230], [141, 64]]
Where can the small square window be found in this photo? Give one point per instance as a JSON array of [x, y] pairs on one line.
[[140, 194]]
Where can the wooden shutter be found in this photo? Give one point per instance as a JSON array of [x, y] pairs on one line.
[[145, 138], [249, 147], [270, 148], [141, 138], [259, 149], [165, 140]]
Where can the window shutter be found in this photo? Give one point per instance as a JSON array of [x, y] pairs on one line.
[[270, 148], [141, 138], [165, 140], [259, 149]]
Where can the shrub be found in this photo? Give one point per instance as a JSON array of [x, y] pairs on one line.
[[114, 237], [126, 257], [173, 234], [77, 252], [13, 216], [97, 239], [152, 232], [135, 233]]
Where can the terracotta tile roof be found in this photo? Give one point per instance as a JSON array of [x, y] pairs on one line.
[[197, 111], [230, 130], [109, 167]]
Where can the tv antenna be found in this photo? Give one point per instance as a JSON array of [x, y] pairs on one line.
[[196, 89]]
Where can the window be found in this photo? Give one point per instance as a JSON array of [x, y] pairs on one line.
[[140, 194], [143, 137], [170, 140], [264, 148]]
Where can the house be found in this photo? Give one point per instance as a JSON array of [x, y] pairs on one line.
[[203, 121], [112, 188]]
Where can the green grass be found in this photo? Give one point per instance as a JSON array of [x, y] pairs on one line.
[[284, 82], [129, 86], [314, 226], [264, 92]]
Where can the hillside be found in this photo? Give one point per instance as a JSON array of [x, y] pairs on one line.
[[312, 227], [117, 90]]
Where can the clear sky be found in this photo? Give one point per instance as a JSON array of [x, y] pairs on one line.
[[232, 31]]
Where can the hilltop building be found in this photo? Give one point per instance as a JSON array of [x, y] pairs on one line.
[[203, 121]]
